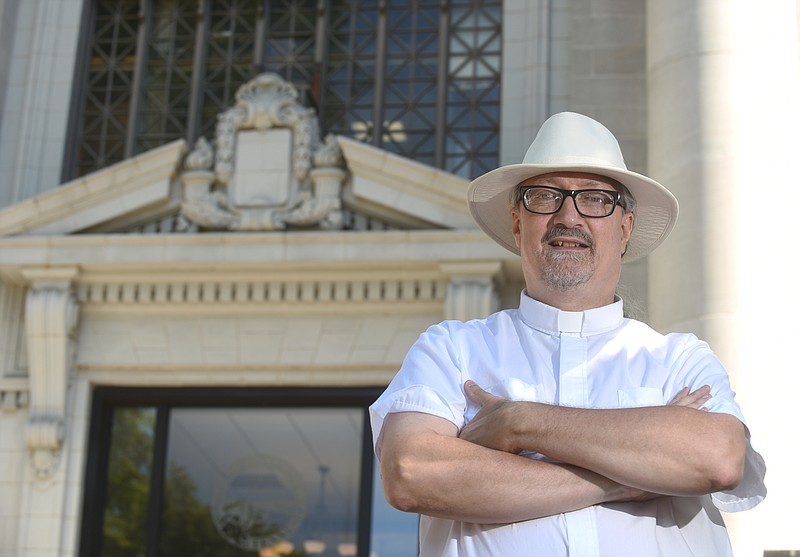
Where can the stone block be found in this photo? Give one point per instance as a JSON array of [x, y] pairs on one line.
[[620, 60], [334, 348]]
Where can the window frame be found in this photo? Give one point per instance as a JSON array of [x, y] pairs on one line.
[[163, 399]]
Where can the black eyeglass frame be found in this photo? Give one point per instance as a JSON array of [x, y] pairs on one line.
[[616, 196]]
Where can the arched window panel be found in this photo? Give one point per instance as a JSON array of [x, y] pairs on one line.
[[230, 56], [419, 78], [166, 85], [350, 68], [290, 42], [473, 87], [410, 101], [108, 87]]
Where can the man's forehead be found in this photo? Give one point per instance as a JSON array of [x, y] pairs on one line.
[[580, 179]]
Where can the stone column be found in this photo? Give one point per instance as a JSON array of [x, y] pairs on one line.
[[33, 119], [691, 150], [528, 44], [692, 122], [722, 133]]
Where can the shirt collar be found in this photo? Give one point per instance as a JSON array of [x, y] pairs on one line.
[[554, 321]]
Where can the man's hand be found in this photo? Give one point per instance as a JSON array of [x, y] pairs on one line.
[[426, 469], [494, 422], [641, 447], [694, 399]]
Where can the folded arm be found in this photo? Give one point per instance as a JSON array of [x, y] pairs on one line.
[[427, 469], [671, 450]]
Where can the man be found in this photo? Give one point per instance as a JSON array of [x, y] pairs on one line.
[[562, 427]]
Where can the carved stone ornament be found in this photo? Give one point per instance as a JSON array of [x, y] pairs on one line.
[[267, 169], [51, 317]]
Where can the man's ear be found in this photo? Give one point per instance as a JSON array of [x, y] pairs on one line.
[[628, 220], [515, 223]]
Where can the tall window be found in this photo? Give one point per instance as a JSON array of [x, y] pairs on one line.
[[237, 472], [420, 78]]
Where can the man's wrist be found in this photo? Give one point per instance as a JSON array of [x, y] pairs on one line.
[[524, 425]]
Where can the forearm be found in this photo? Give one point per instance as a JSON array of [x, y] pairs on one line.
[[443, 476], [664, 449]]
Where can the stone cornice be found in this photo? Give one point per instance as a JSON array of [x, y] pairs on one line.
[[124, 188], [158, 254], [402, 186], [295, 273]]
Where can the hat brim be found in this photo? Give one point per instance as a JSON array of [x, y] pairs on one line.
[[656, 208]]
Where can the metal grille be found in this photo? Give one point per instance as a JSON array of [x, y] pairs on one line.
[[290, 41], [167, 81], [413, 46], [473, 88], [419, 78], [229, 54], [108, 91]]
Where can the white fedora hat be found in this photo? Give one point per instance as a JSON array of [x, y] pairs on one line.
[[570, 142]]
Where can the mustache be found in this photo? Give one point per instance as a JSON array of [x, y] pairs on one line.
[[563, 232]]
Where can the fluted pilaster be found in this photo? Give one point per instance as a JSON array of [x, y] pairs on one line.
[[471, 291]]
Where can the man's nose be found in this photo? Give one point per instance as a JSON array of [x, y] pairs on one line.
[[568, 213]]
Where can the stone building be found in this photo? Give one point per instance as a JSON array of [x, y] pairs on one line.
[[223, 223]]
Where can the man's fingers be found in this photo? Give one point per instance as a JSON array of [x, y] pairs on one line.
[[694, 399], [475, 393], [678, 398]]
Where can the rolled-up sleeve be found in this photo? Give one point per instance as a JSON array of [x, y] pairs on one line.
[[429, 381], [700, 366]]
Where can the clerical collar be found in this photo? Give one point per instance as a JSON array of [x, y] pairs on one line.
[[552, 320]]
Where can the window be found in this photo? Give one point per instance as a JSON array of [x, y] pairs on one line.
[[419, 78], [235, 472]]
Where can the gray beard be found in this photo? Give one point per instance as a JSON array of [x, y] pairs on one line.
[[563, 271]]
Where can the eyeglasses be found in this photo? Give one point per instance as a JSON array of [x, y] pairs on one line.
[[544, 200]]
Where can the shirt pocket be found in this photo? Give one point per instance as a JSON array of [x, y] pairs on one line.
[[516, 389], [640, 396], [511, 389]]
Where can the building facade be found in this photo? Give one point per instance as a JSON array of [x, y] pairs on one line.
[[223, 223]]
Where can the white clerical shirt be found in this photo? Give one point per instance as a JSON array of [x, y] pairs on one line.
[[591, 359]]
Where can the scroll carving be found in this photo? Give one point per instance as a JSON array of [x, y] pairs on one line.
[[51, 317], [317, 169]]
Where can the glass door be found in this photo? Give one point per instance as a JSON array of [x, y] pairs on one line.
[[237, 472], [263, 481]]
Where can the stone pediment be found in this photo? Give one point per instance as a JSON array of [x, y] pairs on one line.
[[266, 169], [260, 220]]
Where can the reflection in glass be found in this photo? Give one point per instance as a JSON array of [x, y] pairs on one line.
[[254, 481], [394, 533], [128, 488]]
